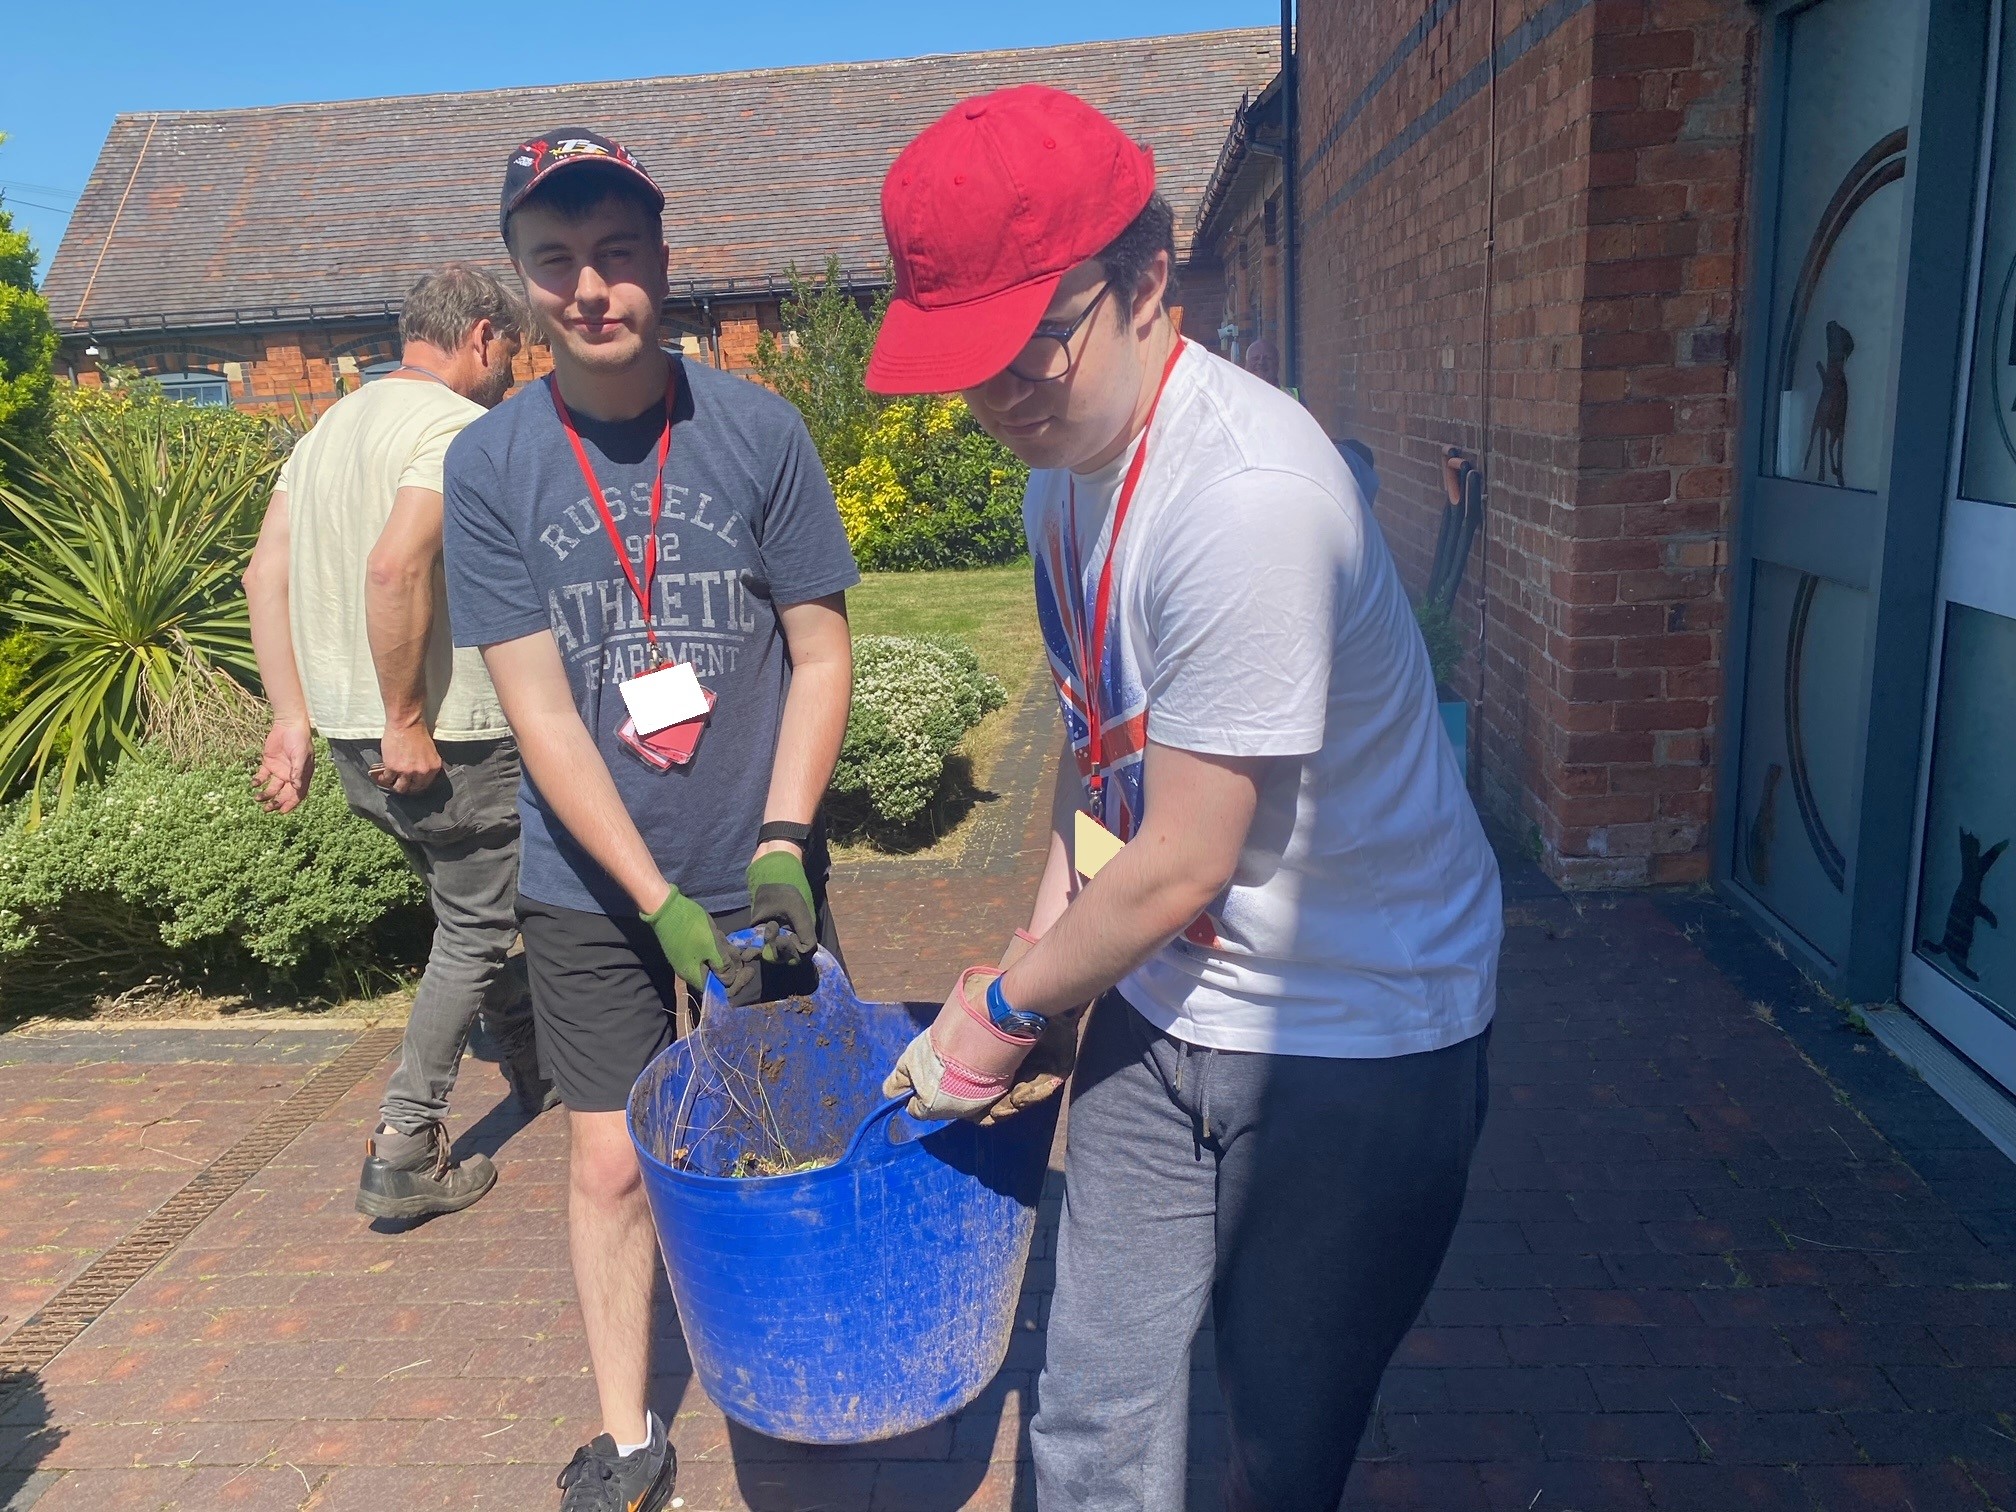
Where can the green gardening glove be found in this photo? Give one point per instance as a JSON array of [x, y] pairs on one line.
[[694, 944], [780, 904]]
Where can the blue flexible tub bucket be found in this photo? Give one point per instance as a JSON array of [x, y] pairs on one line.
[[851, 1301]]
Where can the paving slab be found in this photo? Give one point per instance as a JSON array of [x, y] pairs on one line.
[[178, 1044], [100, 1127], [1721, 1251]]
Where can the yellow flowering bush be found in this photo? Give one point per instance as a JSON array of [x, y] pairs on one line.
[[918, 482], [931, 489]]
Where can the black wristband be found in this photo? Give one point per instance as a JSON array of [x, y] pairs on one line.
[[783, 829]]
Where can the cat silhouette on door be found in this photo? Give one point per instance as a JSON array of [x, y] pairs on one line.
[[1830, 416], [1958, 943]]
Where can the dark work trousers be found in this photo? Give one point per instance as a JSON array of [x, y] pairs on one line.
[[461, 836], [1307, 1200]]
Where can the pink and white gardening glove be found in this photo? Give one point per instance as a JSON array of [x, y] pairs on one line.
[[1049, 1065], [962, 1065]]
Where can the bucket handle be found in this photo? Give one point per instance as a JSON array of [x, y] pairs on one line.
[[715, 993], [886, 1130]]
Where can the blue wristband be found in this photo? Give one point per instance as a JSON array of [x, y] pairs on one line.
[[1013, 1022]]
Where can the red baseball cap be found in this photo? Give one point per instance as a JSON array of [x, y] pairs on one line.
[[985, 212]]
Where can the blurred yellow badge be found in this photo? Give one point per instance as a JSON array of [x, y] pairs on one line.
[[1092, 846]]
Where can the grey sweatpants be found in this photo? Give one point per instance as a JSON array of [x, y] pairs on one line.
[[1307, 1200], [461, 836]]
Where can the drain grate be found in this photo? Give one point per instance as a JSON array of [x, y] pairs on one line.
[[108, 1278]]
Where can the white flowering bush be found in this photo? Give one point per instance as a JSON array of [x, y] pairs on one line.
[[913, 700], [178, 870]]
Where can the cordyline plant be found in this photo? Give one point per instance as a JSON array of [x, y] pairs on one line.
[[123, 546]]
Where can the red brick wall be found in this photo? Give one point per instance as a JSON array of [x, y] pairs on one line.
[[1593, 605], [1244, 271], [282, 370]]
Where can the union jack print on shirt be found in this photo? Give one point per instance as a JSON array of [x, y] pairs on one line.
[[1065, 594]]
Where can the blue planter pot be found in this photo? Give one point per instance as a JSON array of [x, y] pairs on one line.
[[1456, 720]]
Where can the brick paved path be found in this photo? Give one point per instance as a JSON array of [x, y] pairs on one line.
[[1721, 1252], [88, 1150]]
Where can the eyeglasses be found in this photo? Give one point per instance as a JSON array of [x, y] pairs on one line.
[[1048, 356]]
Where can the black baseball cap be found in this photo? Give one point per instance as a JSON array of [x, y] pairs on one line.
[[535, 161]]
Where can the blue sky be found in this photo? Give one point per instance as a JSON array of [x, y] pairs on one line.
[[74, 64]]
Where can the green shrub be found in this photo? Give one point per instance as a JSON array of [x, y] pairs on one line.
[[819, 361], [913, 700], [1445, 641], [931, 489], [125, 395], [919, 483], [122, 553], [17, 656], [168, 870], [27, 348]]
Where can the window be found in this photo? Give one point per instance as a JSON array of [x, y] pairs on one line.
[[1270, 215], [1850, 89], [195, 388]]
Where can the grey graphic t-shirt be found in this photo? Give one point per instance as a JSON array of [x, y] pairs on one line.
[[748, 524]]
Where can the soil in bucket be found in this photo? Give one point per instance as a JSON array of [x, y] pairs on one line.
[[777, 1089]]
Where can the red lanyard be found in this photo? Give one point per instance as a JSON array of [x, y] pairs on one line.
[[1092, 663], [639, 586]]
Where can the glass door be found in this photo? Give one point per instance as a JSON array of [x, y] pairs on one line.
[[1817, 501], [1959, 967]]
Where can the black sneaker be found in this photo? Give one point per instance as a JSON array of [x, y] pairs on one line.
[[419, 1184], [598, 1479], [535, 1093]]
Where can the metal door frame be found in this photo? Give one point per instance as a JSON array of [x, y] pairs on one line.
[[1904, 519], [1945, 1005]]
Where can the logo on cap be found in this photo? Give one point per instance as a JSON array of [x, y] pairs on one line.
[[533, 161]]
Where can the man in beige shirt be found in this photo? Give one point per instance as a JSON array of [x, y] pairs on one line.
[[351, 632]]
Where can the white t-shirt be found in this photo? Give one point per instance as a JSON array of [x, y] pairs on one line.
[[340, 483], [1258, 613]]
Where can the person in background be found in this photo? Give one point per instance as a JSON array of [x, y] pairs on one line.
[[351, 635], [1264, 865], [1263, 362], [631, 535]]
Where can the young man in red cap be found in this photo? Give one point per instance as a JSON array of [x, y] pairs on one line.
[[1265, 866], [635, 542]]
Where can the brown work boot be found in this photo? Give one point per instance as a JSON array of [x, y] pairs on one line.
[[416, 1175]]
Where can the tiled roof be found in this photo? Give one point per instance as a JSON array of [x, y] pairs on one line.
[[340, 206], [1256, 123]]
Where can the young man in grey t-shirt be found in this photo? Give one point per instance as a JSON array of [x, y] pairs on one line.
[[632, 516]]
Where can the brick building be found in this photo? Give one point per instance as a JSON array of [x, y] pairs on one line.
[[1239, 240], [1595, 609], [258, 257], [1739, 371]]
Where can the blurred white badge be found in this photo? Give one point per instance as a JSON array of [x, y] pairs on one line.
[[668, 696]]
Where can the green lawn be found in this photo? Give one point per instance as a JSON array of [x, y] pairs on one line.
[[991, 609]]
